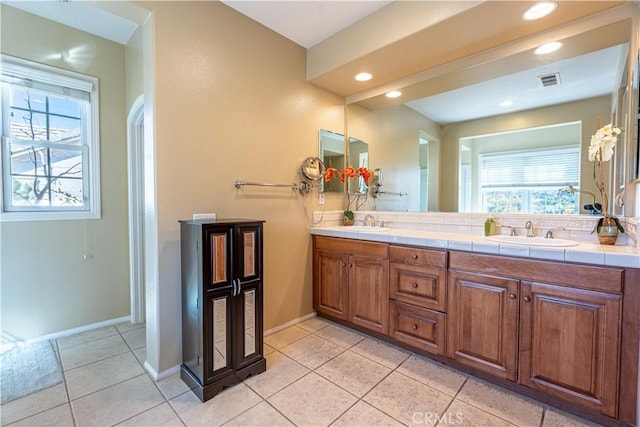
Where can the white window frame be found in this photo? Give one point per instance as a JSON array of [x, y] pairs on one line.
[[91, 162]]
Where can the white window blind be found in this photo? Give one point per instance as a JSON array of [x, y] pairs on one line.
[[539, 168]]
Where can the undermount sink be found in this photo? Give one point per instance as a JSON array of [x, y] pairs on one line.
[[532, 241], [364, 229]]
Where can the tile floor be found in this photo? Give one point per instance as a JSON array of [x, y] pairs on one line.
[[318, 374]]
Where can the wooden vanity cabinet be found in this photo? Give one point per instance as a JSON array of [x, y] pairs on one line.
[[549, 326], [222, 282], [417, 292], [351, 282]]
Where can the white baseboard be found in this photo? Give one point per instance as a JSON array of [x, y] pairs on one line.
[[157, 376], [68, 332], [291, 323]]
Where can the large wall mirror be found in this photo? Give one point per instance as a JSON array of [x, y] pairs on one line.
[[452, 138]]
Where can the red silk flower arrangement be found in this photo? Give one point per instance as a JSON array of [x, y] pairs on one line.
[[347, 173]]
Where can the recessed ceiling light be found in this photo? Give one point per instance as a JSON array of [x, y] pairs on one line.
[[363, 77], [548, 48], [506, 103], [393, 94], [539, 10]]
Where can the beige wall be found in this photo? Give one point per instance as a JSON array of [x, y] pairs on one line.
[[231, 101], [393, 135], [584, 111], [46, 285]]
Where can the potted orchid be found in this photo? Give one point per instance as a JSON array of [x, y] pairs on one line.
[[600, 151], [348, 173]]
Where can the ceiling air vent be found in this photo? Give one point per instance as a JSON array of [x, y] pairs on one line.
[[550, 79]]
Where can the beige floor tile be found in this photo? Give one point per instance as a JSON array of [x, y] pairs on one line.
[[403, 398], [312, 401], [117, 403], [383, 353], [84, 337], [285, 337], [501, 403], [312, 351], [353, 372], [281, 371], [314, 324], [136, 338], [141, 354], [363, 414], [128, 326], [226, 405], [557, 418], [267, 349], [463, 414], [93, 351], [261, 415], [105, 373], [340, 335], [433, 374], [55, 417], [33, 404], [160, 416], [172, 386]]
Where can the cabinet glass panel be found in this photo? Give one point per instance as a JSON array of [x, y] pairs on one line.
[[218, 258], [249, 249], [219, 333], [249, 322]]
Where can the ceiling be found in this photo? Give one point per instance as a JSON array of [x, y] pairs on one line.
[[315, 25]]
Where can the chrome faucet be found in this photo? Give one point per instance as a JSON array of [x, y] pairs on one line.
[[368, 218], [549, 234], [529, 226]]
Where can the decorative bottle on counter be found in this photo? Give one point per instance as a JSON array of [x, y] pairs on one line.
[[489, 227]]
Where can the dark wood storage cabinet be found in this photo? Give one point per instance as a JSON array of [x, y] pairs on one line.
[[221, 303]]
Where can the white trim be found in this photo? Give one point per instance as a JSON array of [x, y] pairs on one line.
[[288, 324], [91, 130], [157, 376], [135, 166], [68, 332]]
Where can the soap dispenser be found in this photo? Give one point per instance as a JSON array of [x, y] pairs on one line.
[[489, 227]]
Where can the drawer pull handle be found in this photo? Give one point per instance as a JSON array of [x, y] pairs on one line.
[[415, 285], [414, 256], [527, 299], [414, 327], [512, 296]]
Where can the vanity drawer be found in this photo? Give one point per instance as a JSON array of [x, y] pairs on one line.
[[418, 327], [425, 287], [416, 256]]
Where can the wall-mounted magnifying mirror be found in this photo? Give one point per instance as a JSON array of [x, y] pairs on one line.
[[312, 170]]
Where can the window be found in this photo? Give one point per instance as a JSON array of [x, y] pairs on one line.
[[529, 181], [50, 146]]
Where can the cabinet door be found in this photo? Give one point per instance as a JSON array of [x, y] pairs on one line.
[[483, 322], [248, 252], [570, 344], [217, 325], [330, 290], [369, 292], [248, 330], [217, 257], [418, 327]]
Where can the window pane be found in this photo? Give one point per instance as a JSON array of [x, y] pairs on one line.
[[551, 202], [62, 129], [502, 201], [66, 192], [26, 99], [28, 160], [24, 193], [64, 106], [66, 163], [28, 125]]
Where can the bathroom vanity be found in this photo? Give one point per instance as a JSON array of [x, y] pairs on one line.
[[565, 333]]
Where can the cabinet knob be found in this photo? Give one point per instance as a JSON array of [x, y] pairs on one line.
[[350, 265], [414, 327], [344, 264], [415, 285], [414, 256], [512, 296], [527, 299]]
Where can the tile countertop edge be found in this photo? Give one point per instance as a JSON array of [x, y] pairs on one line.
[[585, 253]]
